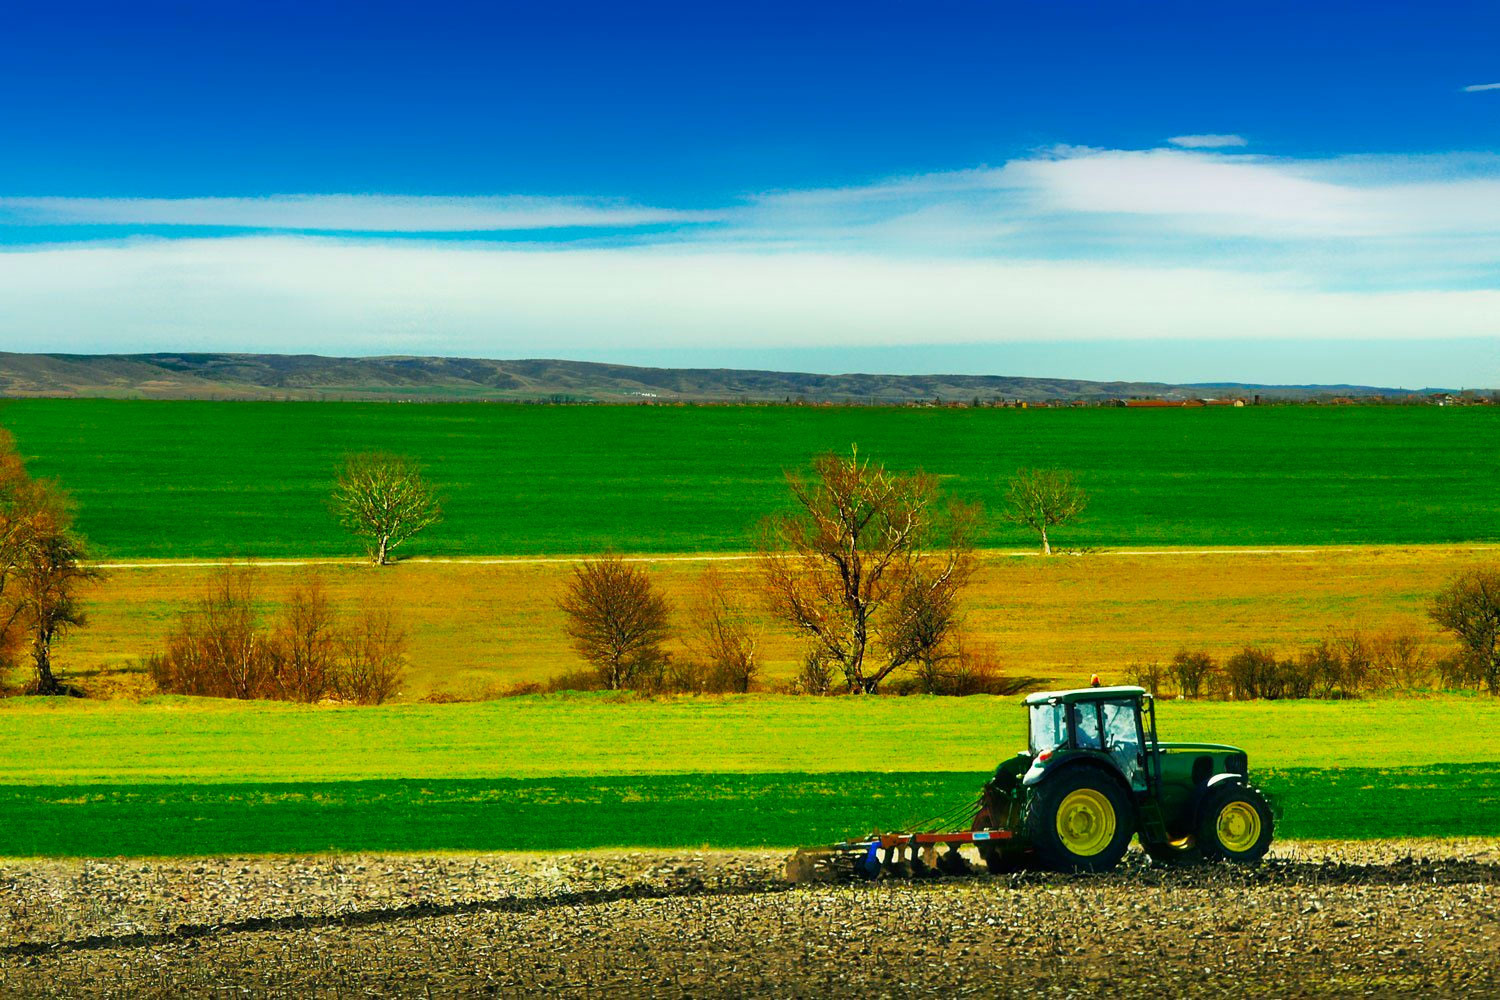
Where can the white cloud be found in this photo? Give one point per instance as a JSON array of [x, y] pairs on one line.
[[1231, 195], [345, 212], [1208, 141], [1157, 205], [1475, 88], [1071, 243], [348, 296]]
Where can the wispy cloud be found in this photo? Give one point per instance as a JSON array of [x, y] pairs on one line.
[[1208, 141], [352, 296], [1069, 243], [1342, 221], [346, 213], [1475, 88]]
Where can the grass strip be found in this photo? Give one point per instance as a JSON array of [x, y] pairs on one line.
[[684, 810]]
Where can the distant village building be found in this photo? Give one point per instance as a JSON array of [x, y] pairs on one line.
[[1174, 403]]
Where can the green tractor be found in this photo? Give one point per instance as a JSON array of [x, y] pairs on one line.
[[1094, 776]]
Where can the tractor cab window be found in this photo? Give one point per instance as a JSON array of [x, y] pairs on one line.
[[1119, 724], [1086, 721], [1122, 739], [1049, 727]]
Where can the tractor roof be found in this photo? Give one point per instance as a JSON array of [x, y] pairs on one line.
[[1086, 694]]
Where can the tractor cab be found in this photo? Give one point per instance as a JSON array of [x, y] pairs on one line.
[[1107, 723]]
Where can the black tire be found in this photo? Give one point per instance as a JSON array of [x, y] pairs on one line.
[[1236, 825], [996, 860], [1174, 855], [1095, 789]]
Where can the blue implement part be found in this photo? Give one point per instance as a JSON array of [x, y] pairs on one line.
[[871, 863]]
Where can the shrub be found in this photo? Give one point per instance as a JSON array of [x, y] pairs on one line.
[[814, 677], [1318, 671], [1356, 652], [1399, 660], [306, 644], [220, 648], [575, 680], [1189, 670], [721, 638], [1253, 673], [618, 621], [1469, 608], [976, 670], [1457, 670], [1146, 675], [372, 658]]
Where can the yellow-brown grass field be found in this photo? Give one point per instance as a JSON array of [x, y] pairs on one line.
[[479, 628]]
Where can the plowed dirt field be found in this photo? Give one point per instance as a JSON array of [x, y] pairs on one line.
[[1372, 919]]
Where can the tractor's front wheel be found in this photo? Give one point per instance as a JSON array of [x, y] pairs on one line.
[[1236, 825], [1080, 820]]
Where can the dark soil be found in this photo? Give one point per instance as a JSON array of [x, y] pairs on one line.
[[1386, 919]]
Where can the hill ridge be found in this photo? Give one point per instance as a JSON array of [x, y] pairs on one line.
[[221, 375]]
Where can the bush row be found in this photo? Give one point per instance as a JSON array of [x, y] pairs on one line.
[[220, 647], [1345, 665]]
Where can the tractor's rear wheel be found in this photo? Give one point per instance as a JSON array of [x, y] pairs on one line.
[[1080, 820], [1236, 825]]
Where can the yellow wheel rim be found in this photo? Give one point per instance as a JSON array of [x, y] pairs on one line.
[[1085, 822], [1239, 826]]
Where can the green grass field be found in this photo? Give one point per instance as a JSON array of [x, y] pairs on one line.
[[213, 479], [693, 810], [175, 776]]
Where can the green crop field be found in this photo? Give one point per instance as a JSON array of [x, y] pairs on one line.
[[693, 810], [213, 479], [178, 776]]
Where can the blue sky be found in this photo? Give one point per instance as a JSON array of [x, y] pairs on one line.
[[1180, 191]]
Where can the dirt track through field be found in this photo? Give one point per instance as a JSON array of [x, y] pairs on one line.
[[735, 557], [1414, 918]]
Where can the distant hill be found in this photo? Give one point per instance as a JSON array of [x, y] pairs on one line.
[[307, 376]]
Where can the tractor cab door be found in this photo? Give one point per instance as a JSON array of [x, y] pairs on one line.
[[1114, 728], [1122, 740]]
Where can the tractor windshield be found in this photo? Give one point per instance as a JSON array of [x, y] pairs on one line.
[[1049, 727]]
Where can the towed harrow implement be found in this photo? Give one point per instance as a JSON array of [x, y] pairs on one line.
[[889, 855]]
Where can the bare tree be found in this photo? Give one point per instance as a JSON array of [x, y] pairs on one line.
[[225, 626], [1189, 670], [220, 648], [1469, 607], [384, 498], [617, 620], [1043, 498], [373, 658], [42, 567], [859, 564], [306, 643], [720, 635], [925, 632], [17, 511], [47, 583]]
